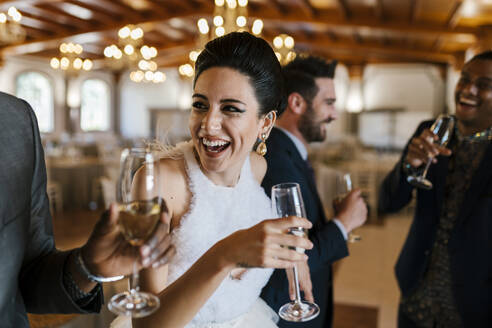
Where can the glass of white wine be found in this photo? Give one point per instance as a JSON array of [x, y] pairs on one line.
[[287, 201], [443, 128], [139, 213], [342, 188]]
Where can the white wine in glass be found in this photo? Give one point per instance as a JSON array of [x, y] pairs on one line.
[[443, 128], [139, 213], [287, 201]]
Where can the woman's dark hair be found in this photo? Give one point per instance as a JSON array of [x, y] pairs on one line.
[[252, 57], [486, 55]]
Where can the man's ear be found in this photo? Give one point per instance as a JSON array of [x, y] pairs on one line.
[[296, 103], [268, 122]]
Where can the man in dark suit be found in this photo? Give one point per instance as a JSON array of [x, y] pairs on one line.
[[310, 105], [35, 276], [445, 267]]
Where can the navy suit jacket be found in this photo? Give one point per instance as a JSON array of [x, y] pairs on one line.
[[470, 244], [285, 164]]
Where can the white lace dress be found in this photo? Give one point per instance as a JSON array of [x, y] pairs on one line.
[[215, 213]]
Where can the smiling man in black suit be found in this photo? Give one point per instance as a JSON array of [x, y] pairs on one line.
[[445, 267], [310, 106]]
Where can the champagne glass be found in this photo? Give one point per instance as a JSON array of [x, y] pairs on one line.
[[287, 201], [343, 187], [443, 128], [139, 214]]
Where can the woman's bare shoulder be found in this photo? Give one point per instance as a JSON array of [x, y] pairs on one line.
[[174, 187], [258, 166]]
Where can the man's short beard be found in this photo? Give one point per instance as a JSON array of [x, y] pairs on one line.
[[309, 128]]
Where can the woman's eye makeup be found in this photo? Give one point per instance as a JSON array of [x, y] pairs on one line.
[[199, 105], [232, 109]]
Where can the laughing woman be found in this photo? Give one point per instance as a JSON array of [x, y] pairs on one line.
[[226, 240]]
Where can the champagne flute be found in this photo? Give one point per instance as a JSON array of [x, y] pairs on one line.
[[343, 187], [287, 201], [443, 128], [139, 214]]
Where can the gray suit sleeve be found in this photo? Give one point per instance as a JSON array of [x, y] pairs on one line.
[[40, 279]]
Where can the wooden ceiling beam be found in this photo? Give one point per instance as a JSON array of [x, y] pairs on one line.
[[377, 50], [454, 15], [322, 22], [5, 4], [414, 10], [37, 33], [379, 10], [331, 21], [99, 14], [62, 17], [307, 8], [344, 9], [48, 23], [27, 20]]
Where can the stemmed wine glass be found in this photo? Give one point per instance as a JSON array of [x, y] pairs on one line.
[[287, 201], [343, 187], [443, 128], [139, 213]]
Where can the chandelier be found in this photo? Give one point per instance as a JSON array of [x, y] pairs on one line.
[[131, 54], [11, 31], [69, 60], [229, 16], [284, 45]]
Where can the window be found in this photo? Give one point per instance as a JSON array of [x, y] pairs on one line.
[[37, 90], [95, 107]]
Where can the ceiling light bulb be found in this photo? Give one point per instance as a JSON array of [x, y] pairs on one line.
[[278, 42], [193, 55], [118, 54], [129, 50], [231, 4], [289, 42], [3, 18], [279, 56], [64, 63], [220, 31], [54, 63], [257, 26], [77, 63], [12, 11], [149, 75], [241, 21], [108, 52], [87, 65], [152, 52], [143, 65], [152, 66], [203, 26], [136, 33], [219, 3], [218, 21], [78, 49], [242, 3], [124, 32]]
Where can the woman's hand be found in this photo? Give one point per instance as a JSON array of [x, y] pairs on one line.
[[260, 245], [422, 148]]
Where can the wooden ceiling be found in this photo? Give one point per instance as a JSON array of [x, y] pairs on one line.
[[354, 31]]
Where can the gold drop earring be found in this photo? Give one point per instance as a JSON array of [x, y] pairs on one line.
[[261, 149]]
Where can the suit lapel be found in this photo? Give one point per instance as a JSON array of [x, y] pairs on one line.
[[480, 180]]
